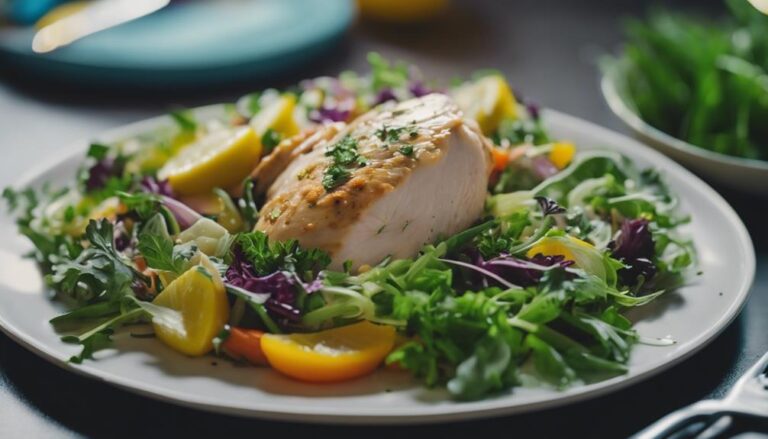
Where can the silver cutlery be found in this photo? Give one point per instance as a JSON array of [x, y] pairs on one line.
[[748, 398], [98, 16]]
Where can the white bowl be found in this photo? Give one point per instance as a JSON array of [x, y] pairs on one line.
[[749, 175]]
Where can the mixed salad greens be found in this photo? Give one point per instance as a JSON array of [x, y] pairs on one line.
[[702, 82], [533, 294]]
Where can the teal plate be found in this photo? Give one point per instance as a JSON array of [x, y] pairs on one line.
[[194, 43]]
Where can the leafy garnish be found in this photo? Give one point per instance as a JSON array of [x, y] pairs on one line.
[[156, 246], [268, 257], [344, 157], [98, 272]]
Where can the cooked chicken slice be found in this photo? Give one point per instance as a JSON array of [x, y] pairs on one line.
[[286, 152], [397, 178]]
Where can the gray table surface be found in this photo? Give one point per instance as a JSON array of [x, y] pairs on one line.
[[548, 50]]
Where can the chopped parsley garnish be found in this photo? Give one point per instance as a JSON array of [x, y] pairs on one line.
[[344, 157], [393, 135]]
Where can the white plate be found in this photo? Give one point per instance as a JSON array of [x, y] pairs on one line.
[[693, 317]]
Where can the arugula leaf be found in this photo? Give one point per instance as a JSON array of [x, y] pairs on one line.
[[98, 272], [157, 248], [549, 363], [100, 336], [490, 368]]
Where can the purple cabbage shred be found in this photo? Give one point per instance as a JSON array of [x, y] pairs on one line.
[[522, 272], [634, 247], [155, 186], [100, 173], [384, 95], [327, 114], [533, 110], [543, 167], [280, 286], [418, 89]]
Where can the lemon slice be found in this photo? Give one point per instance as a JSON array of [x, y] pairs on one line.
[[278, 116], [488, 101], [328, 356], [197, 309], [221, 159]]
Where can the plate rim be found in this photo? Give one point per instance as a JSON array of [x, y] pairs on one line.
[[457, 412]]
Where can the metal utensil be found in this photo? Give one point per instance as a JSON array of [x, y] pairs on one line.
[[748, 398], [101, 15]]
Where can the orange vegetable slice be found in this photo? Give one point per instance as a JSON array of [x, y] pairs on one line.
[[245, 344], [562, 154], [332, 355]]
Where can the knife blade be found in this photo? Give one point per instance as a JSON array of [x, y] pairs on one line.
[[101, 15]]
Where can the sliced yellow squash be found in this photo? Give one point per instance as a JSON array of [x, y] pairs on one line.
[[198, 310]]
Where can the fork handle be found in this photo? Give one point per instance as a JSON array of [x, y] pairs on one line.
[[684, 417]]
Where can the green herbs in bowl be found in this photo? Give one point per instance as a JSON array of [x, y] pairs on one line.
[[698, 91]]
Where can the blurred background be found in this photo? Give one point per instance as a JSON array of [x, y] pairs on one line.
[[62, 81]]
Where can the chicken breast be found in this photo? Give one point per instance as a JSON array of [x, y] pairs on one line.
[[397, 178]]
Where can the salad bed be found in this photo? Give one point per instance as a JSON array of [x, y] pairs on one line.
[[153, 233]]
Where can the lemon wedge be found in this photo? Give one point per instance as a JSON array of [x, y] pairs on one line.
[[488, 100], [332, 355], [278, 116], [221, 159], [197, 309]]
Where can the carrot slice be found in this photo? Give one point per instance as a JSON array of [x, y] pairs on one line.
[[246, 344], [500, 158]]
